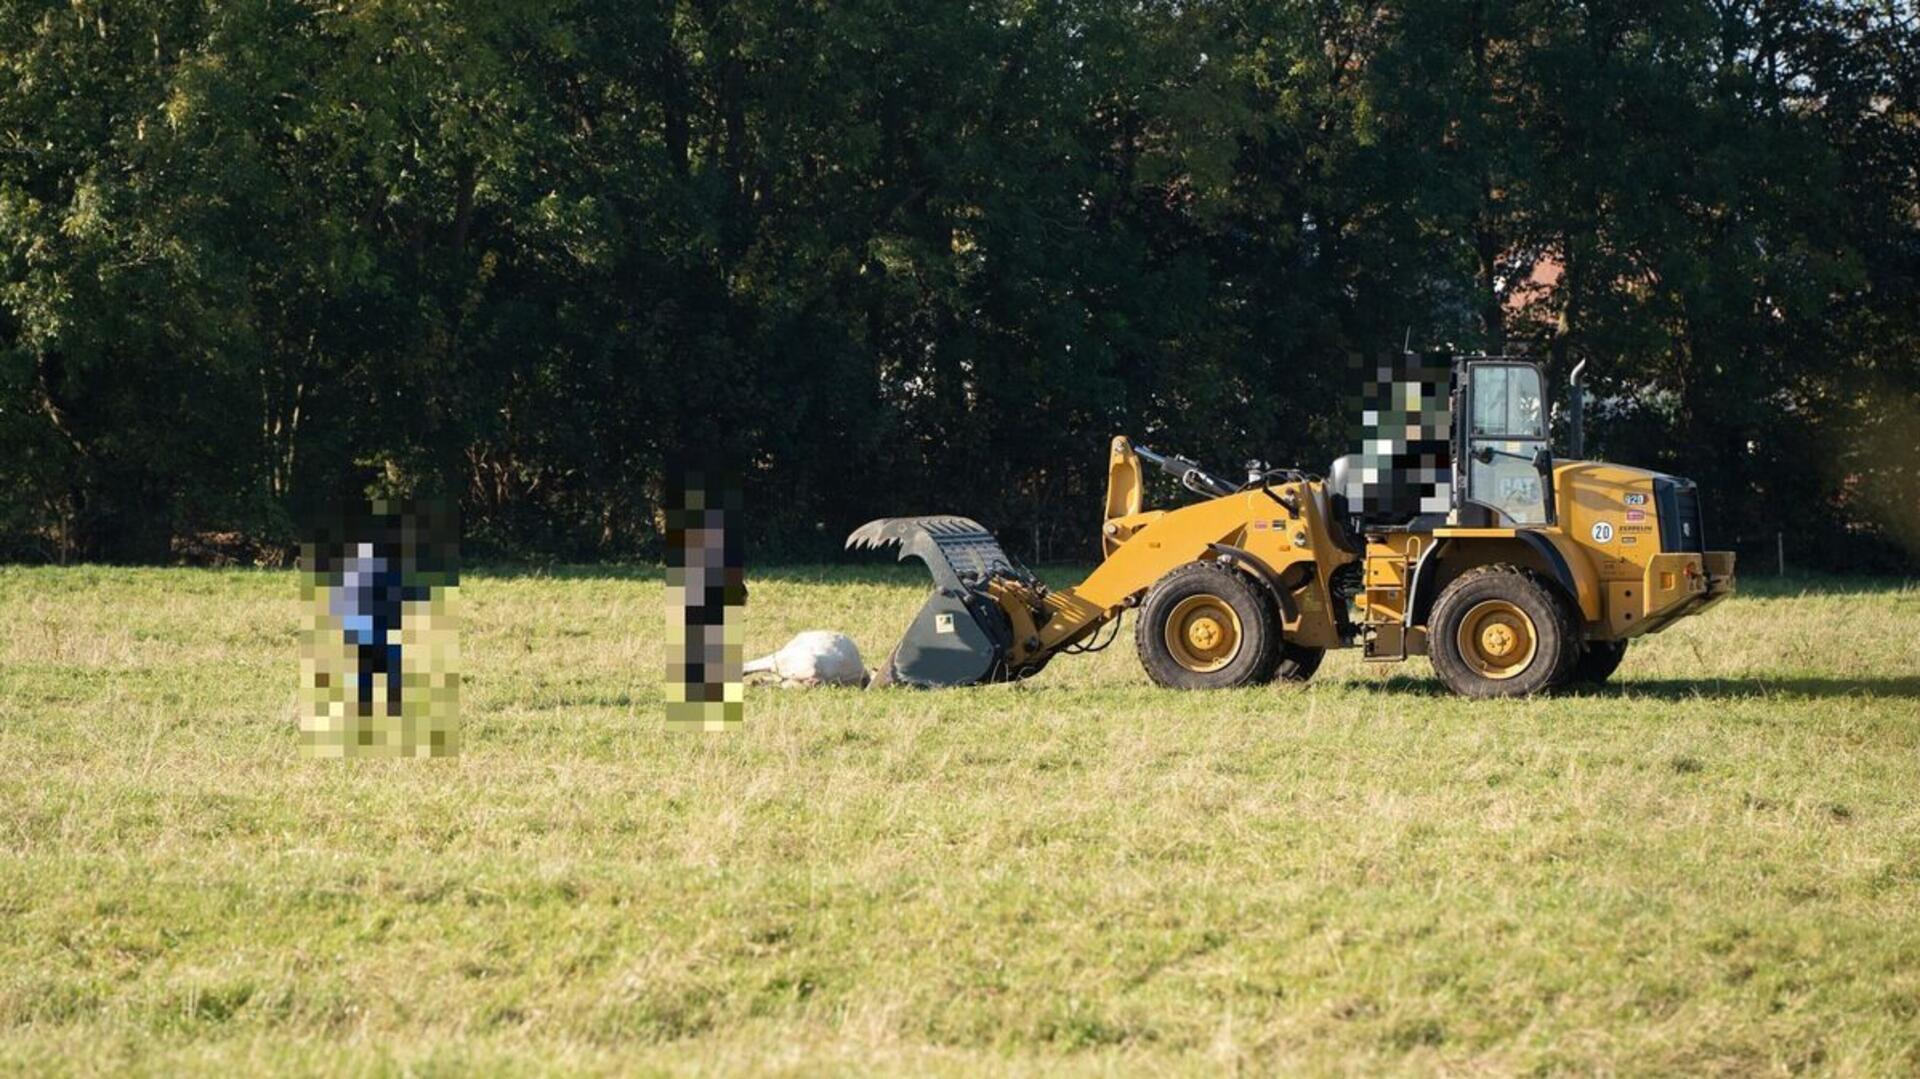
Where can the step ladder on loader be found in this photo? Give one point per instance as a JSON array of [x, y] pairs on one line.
[[1387, 580]]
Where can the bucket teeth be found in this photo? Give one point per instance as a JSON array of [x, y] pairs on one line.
[[960, 636], [957, 550]]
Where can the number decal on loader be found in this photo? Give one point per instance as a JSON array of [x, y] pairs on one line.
[[1636, 498], [1602, 531]]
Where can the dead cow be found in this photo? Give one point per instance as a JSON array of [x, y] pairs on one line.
[[814, 658]]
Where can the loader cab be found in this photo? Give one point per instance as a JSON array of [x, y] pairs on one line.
[[1502, 462], [1449, 441]]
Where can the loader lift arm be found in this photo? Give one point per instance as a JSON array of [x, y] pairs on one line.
[[989, 619]]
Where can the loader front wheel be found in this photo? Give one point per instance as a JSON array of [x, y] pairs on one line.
[[1500, 631], [1205, 626]]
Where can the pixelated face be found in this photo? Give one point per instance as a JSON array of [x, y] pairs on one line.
[[1405, 438], [380, 656]]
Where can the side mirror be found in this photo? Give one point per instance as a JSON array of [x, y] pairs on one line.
[[1542, 459]]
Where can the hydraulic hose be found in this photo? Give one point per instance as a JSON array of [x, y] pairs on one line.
[[1189, 473]]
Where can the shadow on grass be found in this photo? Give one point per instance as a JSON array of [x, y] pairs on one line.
[[1398, 685], [1680, 689], [1757, 587], [523, 572], [1807, 688]]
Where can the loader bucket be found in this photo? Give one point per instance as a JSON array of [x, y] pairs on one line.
[[961, 636]]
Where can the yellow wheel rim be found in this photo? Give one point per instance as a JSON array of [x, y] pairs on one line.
[[1497, 639], [1203, 633]]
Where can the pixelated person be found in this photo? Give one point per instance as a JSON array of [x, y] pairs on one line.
[[712, 589], [1404, 465], [370, 603], [705, 582]]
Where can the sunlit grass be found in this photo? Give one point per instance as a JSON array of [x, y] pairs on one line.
[[1712, 865]]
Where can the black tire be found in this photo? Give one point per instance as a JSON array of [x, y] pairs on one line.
[[1207, 591], [1297, 662], [1496, 606], [1597, 662], [1291, 662]]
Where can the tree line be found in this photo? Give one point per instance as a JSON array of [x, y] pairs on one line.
[[891, 256]]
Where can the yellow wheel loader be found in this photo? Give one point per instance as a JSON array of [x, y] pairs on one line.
[[1537, 574]]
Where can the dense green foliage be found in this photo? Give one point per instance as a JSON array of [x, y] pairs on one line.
[[903, 257]]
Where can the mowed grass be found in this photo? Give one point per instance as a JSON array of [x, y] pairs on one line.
[[1711, 866]]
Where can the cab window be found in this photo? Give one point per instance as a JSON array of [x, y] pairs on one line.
[[1506, 403]]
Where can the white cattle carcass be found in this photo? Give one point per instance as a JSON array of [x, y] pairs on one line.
[[814, 658]]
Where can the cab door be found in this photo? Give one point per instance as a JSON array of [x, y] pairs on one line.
[[1501, 440]]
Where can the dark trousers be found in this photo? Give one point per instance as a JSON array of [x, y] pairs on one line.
[[378, 659]]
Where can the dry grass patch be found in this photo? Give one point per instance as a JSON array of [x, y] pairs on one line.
[[1710, 866]]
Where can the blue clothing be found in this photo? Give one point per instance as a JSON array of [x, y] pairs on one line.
[[370, 602]]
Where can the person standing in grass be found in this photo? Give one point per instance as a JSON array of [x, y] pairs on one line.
[[369, 602]]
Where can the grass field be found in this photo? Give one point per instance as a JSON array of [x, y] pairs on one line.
[[1712, 866]]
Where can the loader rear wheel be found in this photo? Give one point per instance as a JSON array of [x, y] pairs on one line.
[[1206, 626], [1597, 662], [1501, 631]]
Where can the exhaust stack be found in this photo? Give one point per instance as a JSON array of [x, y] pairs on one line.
[[1577, 413]]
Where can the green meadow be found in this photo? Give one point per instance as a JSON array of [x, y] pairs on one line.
[[1712, 865]]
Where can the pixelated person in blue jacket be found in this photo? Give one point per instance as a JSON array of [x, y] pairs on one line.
[[370, 601]]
